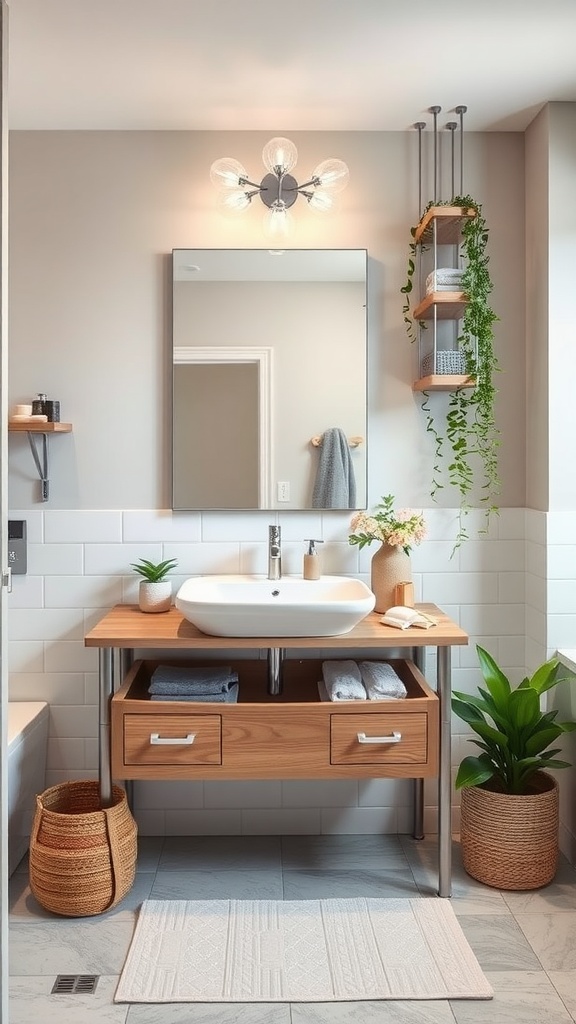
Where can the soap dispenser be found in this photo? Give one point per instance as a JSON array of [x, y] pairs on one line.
[[311, 570]]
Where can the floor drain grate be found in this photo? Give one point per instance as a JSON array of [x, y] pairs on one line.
[[75, 984]]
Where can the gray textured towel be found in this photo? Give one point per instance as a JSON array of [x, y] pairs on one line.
[[343, 681], [335, 485], [382, 682], [231, 697], [169, 680]]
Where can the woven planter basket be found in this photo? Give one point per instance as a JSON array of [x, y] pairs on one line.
[[82, 858], [511, 842]]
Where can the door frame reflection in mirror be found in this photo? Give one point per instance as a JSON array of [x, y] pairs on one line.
[[262, 359], [320, 373]]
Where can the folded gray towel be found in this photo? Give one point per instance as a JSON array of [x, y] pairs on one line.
[[181, 679], [231, 697], [381, 681], [343, 680]]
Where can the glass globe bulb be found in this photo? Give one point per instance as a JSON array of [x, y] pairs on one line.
[[227, 172], [234, 201], [278, 221], [322, 201], [333, 175], [279, 156]]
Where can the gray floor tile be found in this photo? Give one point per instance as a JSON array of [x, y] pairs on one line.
[[220, 853], [217, 885], [149, 851], [30, 1002], [425, 1011], [499, 943], [344, 884], [210, 1013], [355, 852], [552, 937], [64, 946], [527, 997], [565, 984]]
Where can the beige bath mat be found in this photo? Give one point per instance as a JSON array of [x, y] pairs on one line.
[[299, 951]]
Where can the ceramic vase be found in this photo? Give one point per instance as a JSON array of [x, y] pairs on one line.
[[155, 597], [390, 566]]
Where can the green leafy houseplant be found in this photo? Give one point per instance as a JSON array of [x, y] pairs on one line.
[[154, 572], [471, 432], [515, 735]]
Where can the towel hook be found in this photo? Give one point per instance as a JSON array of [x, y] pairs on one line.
[[354, 442]]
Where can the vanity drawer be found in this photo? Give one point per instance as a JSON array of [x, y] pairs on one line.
[[172, 739], [387, 738]]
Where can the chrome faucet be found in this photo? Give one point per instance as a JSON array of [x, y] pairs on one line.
[[274, 553]]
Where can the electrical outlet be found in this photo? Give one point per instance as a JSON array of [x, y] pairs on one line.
[[283, 490]]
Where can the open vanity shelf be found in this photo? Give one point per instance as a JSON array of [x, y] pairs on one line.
[[291, 735], [288, 735]]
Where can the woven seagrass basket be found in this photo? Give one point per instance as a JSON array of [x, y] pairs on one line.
[[82, 857], [508, 841]]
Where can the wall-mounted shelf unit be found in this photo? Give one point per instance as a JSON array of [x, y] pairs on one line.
[[40, 455], [440, 226]]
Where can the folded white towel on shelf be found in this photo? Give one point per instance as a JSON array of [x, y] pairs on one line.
[[343, 680], [444, 277], [382, 682], [454, 286]]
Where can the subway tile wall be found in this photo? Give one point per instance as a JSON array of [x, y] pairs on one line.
[[496, 586]]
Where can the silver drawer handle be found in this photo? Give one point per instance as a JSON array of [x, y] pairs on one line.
[[157, 740], [394, 738]]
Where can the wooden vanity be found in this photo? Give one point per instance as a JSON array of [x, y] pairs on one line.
[[293, 734]]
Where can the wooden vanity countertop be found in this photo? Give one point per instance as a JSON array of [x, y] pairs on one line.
[[127, 627]]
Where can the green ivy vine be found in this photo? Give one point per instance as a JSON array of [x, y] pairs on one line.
[[471, 432]]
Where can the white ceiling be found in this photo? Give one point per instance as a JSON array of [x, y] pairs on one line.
[[366, 65]]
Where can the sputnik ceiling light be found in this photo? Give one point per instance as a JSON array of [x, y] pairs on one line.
[[278, 189]]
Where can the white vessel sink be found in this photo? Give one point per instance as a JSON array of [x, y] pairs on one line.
[[257, 606]]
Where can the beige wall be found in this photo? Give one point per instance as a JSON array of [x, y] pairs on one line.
[[94, 217]]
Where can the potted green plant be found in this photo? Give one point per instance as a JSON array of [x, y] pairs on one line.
[[509, 808], [471, 432], [155, 591]]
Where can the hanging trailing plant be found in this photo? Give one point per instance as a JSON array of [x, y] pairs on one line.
[[471, 432]]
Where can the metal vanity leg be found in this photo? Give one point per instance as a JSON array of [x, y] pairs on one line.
[[419, 659], [126, 660], [106, 689], [443, 655]]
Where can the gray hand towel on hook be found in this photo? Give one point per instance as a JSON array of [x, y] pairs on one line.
[[335, 485]]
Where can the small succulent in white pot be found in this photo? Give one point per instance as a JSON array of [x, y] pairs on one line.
[[155, 591]]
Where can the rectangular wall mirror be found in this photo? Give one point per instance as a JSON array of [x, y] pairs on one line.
[[269, 353]]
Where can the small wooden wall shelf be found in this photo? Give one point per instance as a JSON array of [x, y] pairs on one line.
[[40, 456], [448, 306], [20, 426], [443, 382], [447, 220]]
